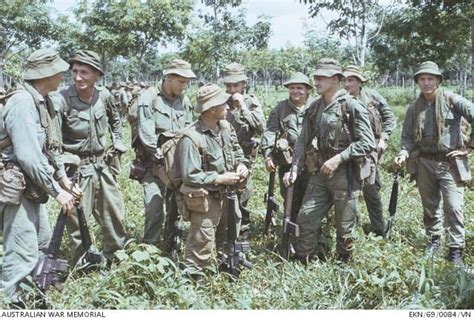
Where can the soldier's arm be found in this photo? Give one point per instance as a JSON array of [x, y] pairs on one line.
[[364, 141], [146, 123], [253, 114], [20, 123], [466, 109], [190, 163], [58, 102], [188, 108], [271, 132], [238, 152], [388, 117], [115, 122], [408, 133], [301, 142]]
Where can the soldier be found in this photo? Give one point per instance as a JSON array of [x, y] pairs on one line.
[[224, 165], [336, 132], [383, 122], [285, 123], [432, 141], [168, 109], [88, 113], [246, 116], [32, 156]]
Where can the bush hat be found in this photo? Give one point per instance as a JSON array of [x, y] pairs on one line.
[[327, 67], [88, 57], [297, 78], [428, 67], [354, 71], [44, 63], [233, 73], [210, 95], [181, 68]]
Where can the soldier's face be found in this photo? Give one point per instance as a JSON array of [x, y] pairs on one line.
[[176, 84], [298, 92], [428, 83], [220, 112], [323, 84], [352, 85], [232, 88], [84, 76]]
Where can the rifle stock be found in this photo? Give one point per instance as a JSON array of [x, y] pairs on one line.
[[290, 227], [234, 247], [272, 205]]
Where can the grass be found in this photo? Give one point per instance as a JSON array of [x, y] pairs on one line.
[[385, 274]]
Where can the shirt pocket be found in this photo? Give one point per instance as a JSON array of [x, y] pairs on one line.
[[215, 162], [78, 124], [163, 118], [100, 121]]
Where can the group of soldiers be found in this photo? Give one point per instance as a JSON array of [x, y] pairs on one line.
[[326, 148]]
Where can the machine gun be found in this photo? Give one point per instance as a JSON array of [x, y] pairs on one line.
[[272, 205], [234, 247], [290, 227], [392, 206], [50, 270]]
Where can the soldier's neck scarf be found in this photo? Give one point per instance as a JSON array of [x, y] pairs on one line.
[[47, 118], [439, 107]]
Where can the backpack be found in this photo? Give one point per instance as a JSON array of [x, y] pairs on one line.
[[168, 168], [375, 119]]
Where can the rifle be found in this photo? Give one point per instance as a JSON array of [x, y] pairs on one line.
[[235, 247], [272, 205], [50, 270], [392, 206], [173, 231], [89, 260], [290, 228]]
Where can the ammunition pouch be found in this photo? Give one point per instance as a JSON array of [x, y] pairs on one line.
[[196, 199], [181, 205], [364, 169], [461, 169], [12, 184], [313, 160], [137, 170], [34, 193], [282, 153], [113, 160], [250, 148], [413, 162]]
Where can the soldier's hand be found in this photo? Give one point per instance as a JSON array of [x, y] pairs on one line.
[[399, 161], [331, 165], [66, 184], [228, 178], [269, 165], [238, 101], [289, 178], [243, 172], [66, 201], [459, 152], [381, 147]]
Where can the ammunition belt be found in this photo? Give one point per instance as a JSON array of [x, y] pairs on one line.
[[440, 157]]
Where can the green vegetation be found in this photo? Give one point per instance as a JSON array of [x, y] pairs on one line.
[[385, 274]]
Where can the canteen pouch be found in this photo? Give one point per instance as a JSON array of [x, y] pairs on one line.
[[12, 186], [137, 170], [413, 162], [461, 169], [282, 152], [363, 168], [196, 199]]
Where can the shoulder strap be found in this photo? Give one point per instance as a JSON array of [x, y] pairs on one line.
[[343, 121]]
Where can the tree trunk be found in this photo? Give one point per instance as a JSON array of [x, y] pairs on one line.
[[472, 53]]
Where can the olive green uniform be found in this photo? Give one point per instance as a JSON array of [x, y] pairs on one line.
[[285, 121], [342, 189], [25, 226], [371, 189], [84, 129], [434, 175], [157, 114], [223, 154], [248, 123]]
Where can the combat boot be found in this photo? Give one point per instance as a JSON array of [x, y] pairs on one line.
[[455, 256], [434, 244]]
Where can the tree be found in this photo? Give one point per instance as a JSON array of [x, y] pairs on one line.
[[357, 22], [23, 24], [131, 27]]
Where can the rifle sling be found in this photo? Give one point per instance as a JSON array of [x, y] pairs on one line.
[[55, 242]]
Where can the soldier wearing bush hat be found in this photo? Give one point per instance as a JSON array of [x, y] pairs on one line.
[[246, 116], [161, 109], [284, 125], [33, 170], [88, 112], [208, 229], [383, 122], [328, 153], [433, 142]]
